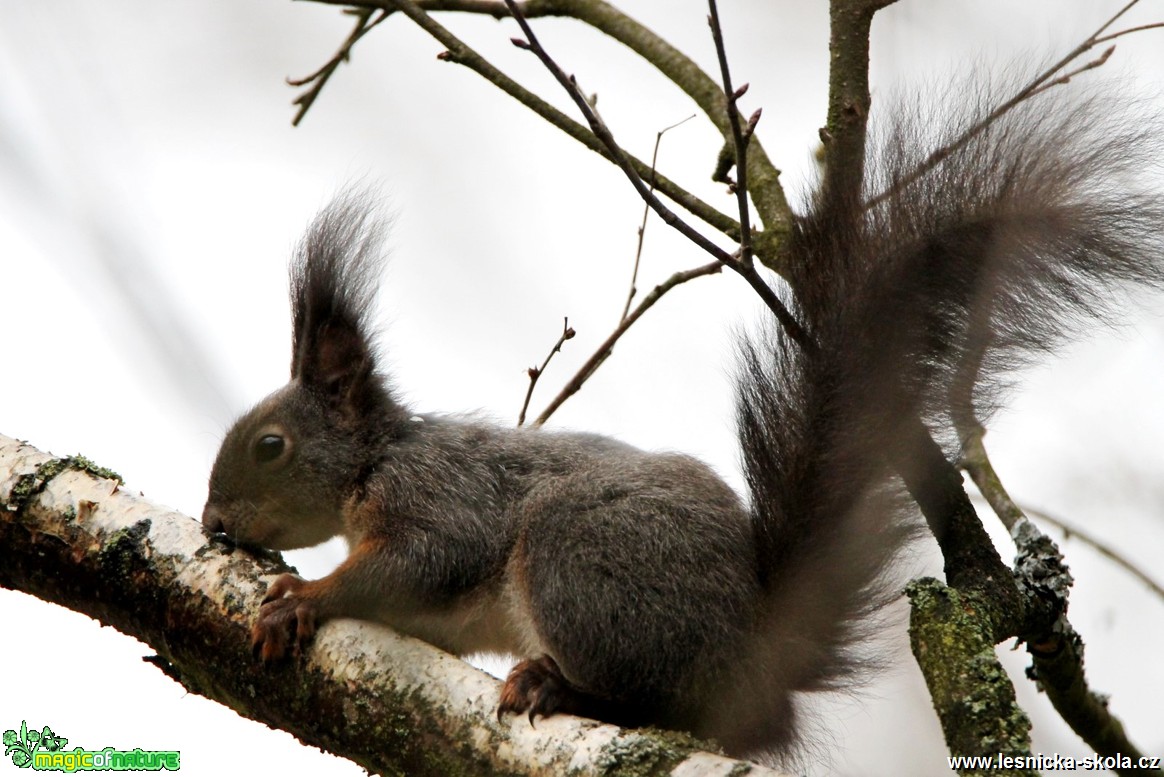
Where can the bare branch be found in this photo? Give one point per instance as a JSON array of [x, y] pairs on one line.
[[1035, 86], [738, 137], [320, 77], [843, 137], [953, 644], [790, 324], [536, 372], [607, 347], [1066, 77], [1113, 19], [977, 465], [1057, 654], [1129, 31], [1055, 647], [599, 128], [764, 177], [642, 231], [462, 54], [1098, 545], [72, 536]]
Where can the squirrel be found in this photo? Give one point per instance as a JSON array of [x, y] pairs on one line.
[[637, 587]]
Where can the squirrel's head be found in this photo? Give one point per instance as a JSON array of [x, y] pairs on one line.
[[286, 467], [283, 472]]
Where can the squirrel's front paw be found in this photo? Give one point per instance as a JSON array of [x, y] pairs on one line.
[[285, 611]]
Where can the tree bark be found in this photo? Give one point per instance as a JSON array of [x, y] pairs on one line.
[[392, 704]]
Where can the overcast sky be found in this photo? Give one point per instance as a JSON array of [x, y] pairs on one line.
[[152, 187]]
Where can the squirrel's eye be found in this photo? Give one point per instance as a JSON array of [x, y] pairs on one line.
[[268, 448]]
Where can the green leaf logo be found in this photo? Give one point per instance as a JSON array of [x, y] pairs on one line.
[[24, 745]]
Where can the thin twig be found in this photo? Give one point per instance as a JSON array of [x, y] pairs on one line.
[[1129, 31], [1036, 85], [320, 77], [977, 465], [536, 372], [646, 212], [1100, 547], [739, 138], [607, 347], [767, 193], [1057, 650], [1066, 77], [459, 52], [598, 126]]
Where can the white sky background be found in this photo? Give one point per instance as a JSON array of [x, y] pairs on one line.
[[151, 189]]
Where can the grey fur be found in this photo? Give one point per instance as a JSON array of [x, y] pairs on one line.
[[655, 588]]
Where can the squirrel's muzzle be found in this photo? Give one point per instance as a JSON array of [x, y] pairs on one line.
[[212, 519]]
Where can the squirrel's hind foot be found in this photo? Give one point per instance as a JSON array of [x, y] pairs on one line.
[[537, 686]]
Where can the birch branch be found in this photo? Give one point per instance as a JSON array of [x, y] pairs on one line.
[[72, 535]]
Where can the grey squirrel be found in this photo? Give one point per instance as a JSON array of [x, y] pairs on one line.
[[637, 587]]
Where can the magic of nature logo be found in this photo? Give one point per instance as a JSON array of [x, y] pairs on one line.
[[45, 751]]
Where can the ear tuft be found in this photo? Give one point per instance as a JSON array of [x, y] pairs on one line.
[[334, 276]]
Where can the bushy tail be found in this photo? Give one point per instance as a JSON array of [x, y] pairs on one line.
[[919, 305]]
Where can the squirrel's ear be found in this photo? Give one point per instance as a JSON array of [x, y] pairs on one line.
[[333, 282], [338, 362]]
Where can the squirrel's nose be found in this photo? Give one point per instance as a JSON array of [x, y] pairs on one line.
[[212, 519]]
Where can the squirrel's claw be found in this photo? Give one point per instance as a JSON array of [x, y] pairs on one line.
[[286, 611], [284, 584], [536, 686]]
